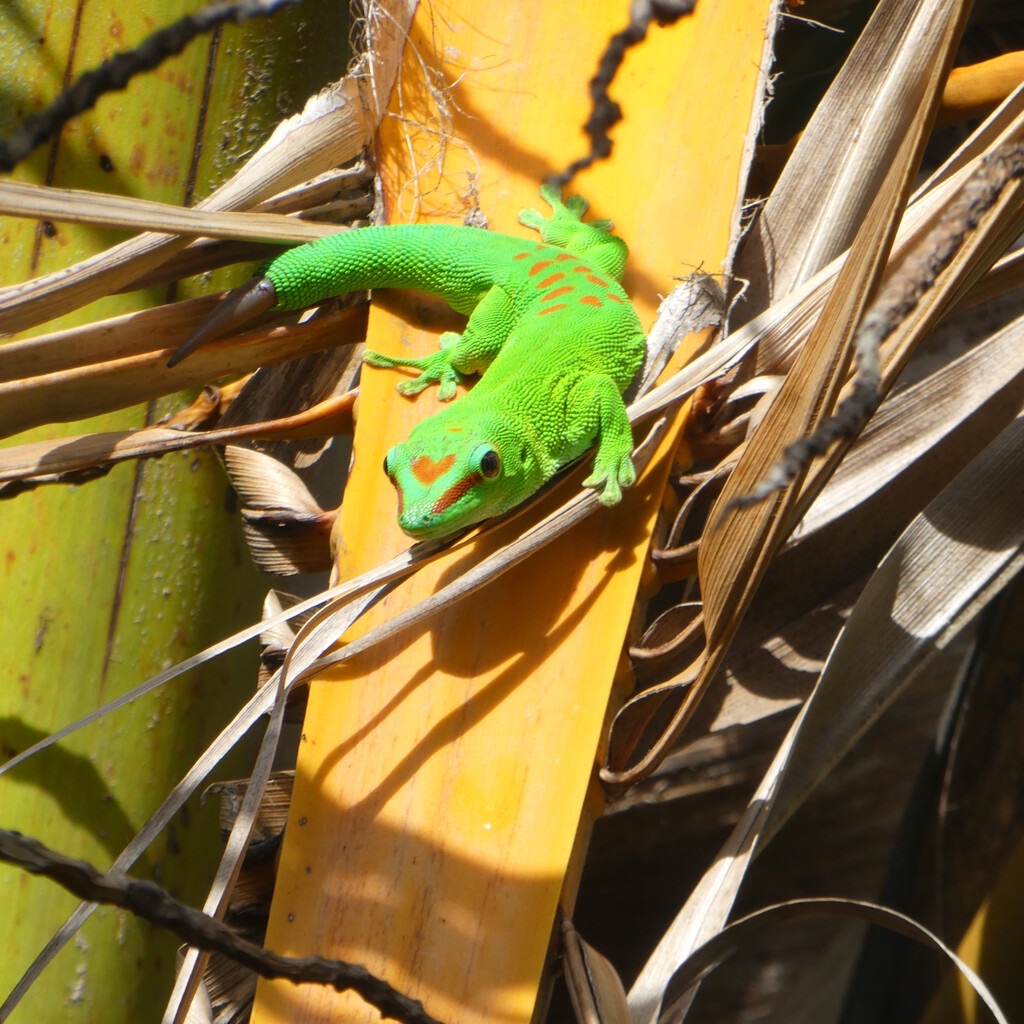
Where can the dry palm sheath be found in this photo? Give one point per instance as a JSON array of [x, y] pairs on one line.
[[549, 323]]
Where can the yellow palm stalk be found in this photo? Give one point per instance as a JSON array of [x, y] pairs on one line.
[[445, 788]]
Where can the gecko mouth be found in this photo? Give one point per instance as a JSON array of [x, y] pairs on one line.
[[423, 524], [428, 530]]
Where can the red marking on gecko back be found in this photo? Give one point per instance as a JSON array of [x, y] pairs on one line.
[[457, 490], [550, 280], [599, 281], [426, 470], [614, 298], [565, 289], [564, 256], [539, 266], [551, 309], [521, 256], [590, 300]]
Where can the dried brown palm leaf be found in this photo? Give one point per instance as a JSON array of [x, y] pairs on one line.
[[103, 382], [76, 206], [734, 936], [845, 153], [67, 459], [737, 548], [971, 535], [332, 129], [965, 546], [722, 548]]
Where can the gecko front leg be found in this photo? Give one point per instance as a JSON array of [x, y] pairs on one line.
[[460, 355]]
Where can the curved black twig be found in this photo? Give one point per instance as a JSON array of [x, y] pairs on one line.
[[605, 112], [147, 900], [896, 300]]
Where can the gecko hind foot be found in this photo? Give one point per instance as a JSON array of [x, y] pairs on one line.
[[565, 213], [592, 240]]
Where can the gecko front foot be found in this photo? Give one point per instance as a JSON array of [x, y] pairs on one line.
[[611, 477], [598, 413], [434, 369]]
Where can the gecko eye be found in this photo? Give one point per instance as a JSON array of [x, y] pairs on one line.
[[387, 463], [487, 461]]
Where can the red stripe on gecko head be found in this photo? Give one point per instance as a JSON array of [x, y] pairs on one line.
[[455, 492], [426, 470], [552, 309], [565, 289], [539, 266], [590, 300]]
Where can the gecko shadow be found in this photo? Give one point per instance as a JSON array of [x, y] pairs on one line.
[[518, 650]]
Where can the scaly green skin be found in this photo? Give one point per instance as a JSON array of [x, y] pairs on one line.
[[548, 322]]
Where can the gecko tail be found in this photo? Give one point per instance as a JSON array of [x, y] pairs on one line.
[[237, 307]]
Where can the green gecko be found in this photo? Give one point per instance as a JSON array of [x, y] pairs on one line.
[[550, 330]]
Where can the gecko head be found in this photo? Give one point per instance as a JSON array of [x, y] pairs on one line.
[[451, 474]]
